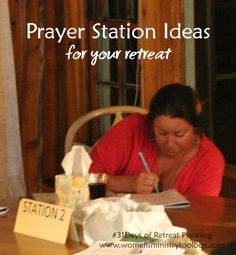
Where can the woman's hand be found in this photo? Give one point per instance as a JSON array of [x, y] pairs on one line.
[[144, 183]]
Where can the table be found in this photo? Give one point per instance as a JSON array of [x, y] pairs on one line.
[[206, 217], [209, 220]]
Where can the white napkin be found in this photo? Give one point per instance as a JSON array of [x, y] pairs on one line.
[[77, 161], [108, 219]]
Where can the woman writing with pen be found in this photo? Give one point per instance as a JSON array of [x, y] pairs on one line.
[[161, 150]]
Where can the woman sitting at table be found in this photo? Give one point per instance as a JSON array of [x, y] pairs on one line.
[[170, 138]]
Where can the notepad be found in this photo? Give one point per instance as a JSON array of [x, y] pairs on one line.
[[169, 198], [125, 248]]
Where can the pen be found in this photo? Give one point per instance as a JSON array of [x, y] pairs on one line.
[[146, 166]]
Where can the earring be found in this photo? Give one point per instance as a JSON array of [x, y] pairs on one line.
[[196, 140]]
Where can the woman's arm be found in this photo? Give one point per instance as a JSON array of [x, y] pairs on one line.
[[142, 183]]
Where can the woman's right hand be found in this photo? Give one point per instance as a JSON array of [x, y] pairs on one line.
[[144, 183]]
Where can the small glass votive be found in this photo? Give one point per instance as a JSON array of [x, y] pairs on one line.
[[97, 185]]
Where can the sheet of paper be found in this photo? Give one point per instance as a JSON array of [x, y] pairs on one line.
[[124, 248], [169, 198]]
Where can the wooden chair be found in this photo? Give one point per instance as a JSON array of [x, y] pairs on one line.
[[229, 182], [118, 111]]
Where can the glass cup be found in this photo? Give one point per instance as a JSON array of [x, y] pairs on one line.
[[97, 185]]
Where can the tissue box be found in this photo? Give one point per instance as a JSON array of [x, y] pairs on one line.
[[71, 190]]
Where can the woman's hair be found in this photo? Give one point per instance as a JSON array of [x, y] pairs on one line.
[[176, 101]]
